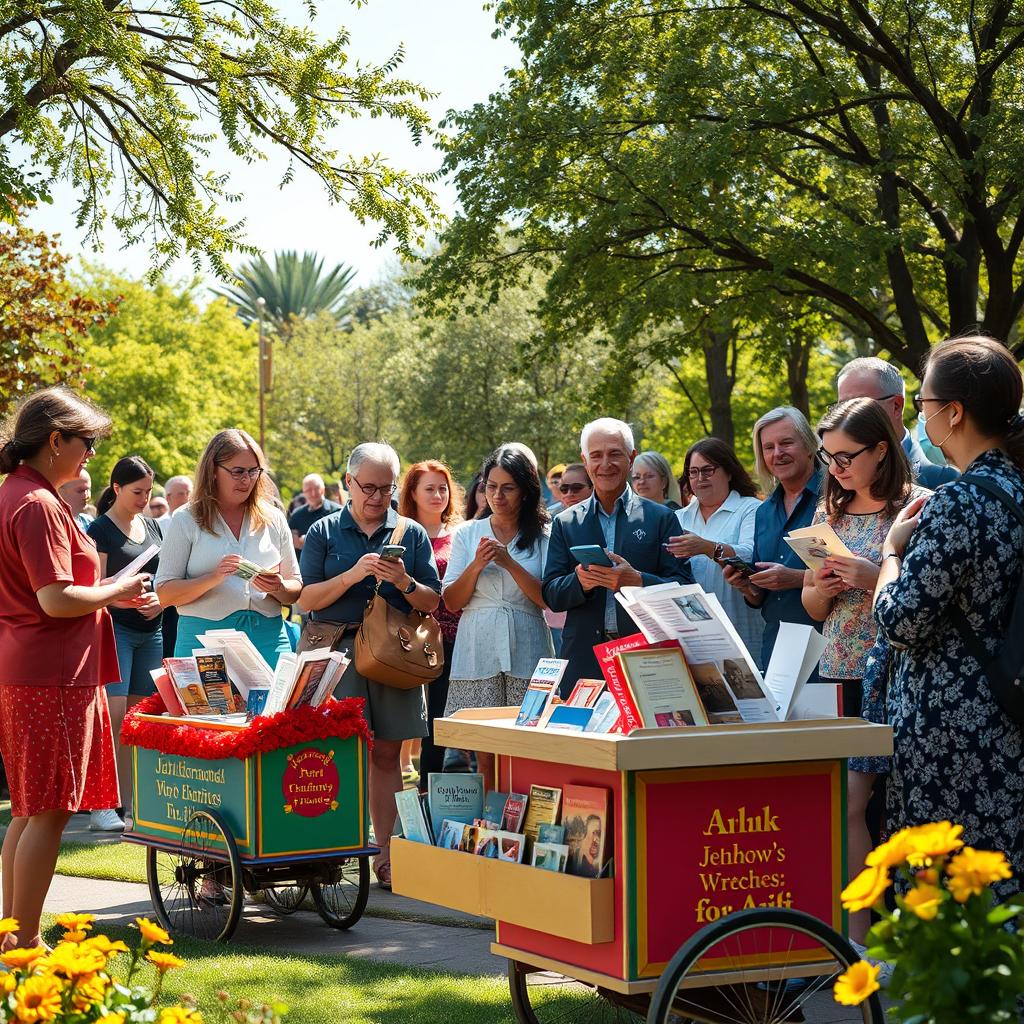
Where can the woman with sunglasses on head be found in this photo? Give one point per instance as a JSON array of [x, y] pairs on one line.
[[951, 572], [719, 523], [230, 517], [868, 484], [57, 647]]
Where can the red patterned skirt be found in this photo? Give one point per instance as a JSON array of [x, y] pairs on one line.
[[58, 749]]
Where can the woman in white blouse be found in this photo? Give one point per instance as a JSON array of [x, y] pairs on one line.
[[493, 577], [719, 523], [230, 518]]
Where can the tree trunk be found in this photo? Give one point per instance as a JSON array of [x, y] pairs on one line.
[[798, 361], [720, 371]]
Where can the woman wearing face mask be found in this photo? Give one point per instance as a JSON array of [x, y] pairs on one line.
[[122, 532], [950, 573], [868, 484]]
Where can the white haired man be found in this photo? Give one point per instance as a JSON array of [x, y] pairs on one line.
[[870, 377], [178, 492], [77, 493], [632, 530], [316, 508]]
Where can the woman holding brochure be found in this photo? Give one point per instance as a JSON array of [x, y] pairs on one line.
[[230, 526], [868, 485]]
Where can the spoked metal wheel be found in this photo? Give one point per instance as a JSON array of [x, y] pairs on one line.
[[761, 966], [341, 901], [543, 997], [285, 899], [197, 889]]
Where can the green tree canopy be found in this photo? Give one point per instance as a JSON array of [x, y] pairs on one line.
[[125, 99]]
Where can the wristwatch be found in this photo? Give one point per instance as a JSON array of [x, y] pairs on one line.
[[718, 552], [409, 589]]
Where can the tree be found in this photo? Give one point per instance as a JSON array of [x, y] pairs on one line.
[[43, 320], [169, 373], [123, 98], [861, 161], [293, 288]]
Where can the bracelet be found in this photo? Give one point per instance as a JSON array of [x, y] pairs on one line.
[[892, 554]]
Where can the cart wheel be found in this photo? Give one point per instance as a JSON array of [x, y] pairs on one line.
[[774, 994], [543, 997], [197, 889], [342, 903], [285, 899]]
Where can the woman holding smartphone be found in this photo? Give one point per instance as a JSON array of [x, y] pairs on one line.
[[230, 519]]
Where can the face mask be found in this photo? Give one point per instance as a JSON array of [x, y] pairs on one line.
[[925, 420]]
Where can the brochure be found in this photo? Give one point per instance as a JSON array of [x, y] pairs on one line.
[[511, 846], [542, 807], [543, 684], [585, 817], [797, 651], [569, 719], [515, 812], [606, 715], [585, 693], [136, 564], [450, 837], [550, 856], [246, 666], [816, 543], [410, 812], [459, 797]]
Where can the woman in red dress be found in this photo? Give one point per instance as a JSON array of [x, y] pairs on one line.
[[56, 646]]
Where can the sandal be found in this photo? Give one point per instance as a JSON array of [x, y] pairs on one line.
[[382, 869]]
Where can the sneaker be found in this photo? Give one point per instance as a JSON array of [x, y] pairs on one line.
[[105, 821], [885, 974]]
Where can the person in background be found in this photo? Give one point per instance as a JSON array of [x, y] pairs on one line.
[[122, 532], [56, 647], [632, 530], [316, 507], [951, 570], [553, 479], [867, 485], [717, 523], [230, 518], [429, 495], [77, 493], [784, 452], [652, 479], [342, 568], [157, 509], [493, 578], [574, 487], [178, 492], [871, 377], [476, 505]]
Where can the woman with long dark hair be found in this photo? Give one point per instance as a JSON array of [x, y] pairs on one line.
[[56, 647], [122, 532], [950, 575], [494, 576]]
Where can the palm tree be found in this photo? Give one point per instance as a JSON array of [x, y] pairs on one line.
[[294, 287]]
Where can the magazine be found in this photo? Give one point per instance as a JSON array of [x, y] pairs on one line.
[[542, 807], [548, 833], [456, 796], [585, 819], [585, 693], [515, 812], [450, 836], [214, 674], [494, 807], [188, 684], [511, 846], [549, 856], [816, 543]]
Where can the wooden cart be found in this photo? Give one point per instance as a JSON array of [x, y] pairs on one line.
[[728, 845]]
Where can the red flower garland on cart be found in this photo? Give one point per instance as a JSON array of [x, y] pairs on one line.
[[334, 719]]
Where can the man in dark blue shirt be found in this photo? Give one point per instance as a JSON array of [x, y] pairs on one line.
[[316, 508], [784, 450]]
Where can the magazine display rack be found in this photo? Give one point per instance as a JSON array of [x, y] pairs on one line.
[[704, 821]]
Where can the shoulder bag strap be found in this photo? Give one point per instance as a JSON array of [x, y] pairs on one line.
[[399, 531]]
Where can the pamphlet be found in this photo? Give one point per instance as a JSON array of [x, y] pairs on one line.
[[605, 716], [585, 818], [511, 846], [585, 693], [458, 797], [136, 564], [550, 856], [569, 719], [543, 684], [542, 807], [797, 650], [410, 812], [816, 543], [246, 666], [515, 812]]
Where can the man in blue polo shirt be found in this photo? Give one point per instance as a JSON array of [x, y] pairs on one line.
[[784, 451]]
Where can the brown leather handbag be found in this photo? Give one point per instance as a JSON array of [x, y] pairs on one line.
[[399, 649]]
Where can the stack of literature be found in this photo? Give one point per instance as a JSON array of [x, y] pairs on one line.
[[587, 709]]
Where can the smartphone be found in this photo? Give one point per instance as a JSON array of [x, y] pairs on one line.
[[739, 565], [591, 554], [392, 552]]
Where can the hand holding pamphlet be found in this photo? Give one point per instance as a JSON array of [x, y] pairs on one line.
[[136, 563], [816, 543]]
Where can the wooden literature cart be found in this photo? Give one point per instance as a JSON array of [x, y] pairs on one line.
[[704, 822]]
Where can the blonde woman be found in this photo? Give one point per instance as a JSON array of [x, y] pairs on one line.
[[230, 517]]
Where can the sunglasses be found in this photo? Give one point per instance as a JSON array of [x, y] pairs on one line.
[[89, 442], [572, 488]]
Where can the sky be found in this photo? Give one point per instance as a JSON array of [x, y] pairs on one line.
[[449, 50]]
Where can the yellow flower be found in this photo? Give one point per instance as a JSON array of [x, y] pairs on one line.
[[75, 936], [8, 925], [164, 961], [111, 1018], [36, 999], [76, 922], [972, 871], [152, 932], [891, 853], [180, 1015], [866, 889], [924, 900], [89, 991], [926, 842], [8, 982], [856, 983], [21, 959], [103, 945], [74, 961]]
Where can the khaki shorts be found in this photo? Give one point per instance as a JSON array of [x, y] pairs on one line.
[[391, 714]]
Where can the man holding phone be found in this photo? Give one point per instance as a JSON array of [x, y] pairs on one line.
[[629, 530]]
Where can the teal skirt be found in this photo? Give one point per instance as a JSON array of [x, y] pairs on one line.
[[268, 636]]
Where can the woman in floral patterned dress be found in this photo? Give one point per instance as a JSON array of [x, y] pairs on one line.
[[868, 483], [958, 755]]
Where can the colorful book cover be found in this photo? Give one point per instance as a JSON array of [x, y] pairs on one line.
[[485, 842], [494, 807], [410, 812], [538, 694], [214, 674], [608, 658], [548, 833], [188, 683], [307, 681], [585, 693], [542, 807], [515, 812], [570, 719], [459, 797], [550, 856], [511, 846], [168, 694], [585, 818], [450, 837], [605, 716]]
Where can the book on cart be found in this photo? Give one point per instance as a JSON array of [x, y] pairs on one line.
[[585, 826], [550, 856], [542, 807], [413, 816], [213, 671], [494, 807], [455, 796], [515, 812], [540, 691]]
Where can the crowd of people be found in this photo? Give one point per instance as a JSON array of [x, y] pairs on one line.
[[495, 566]]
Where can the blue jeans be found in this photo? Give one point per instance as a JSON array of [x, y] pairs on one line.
[[138, 654]]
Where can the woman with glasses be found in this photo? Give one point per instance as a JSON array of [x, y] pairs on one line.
[[494, 577], [718, 524], [652, 479], [57, 647], [230, 517], [868, 484]]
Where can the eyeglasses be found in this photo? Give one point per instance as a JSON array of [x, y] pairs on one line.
[[572, 488], [703, 473], [504, 490], [238, 473], [919, 401], [842, 459], [640, 477], [370, 490]]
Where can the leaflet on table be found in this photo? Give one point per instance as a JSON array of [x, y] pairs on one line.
[[632, 599], [246, 666], [819, 700], [661, 689], [136, 564], [816, 543], [797, 650]]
